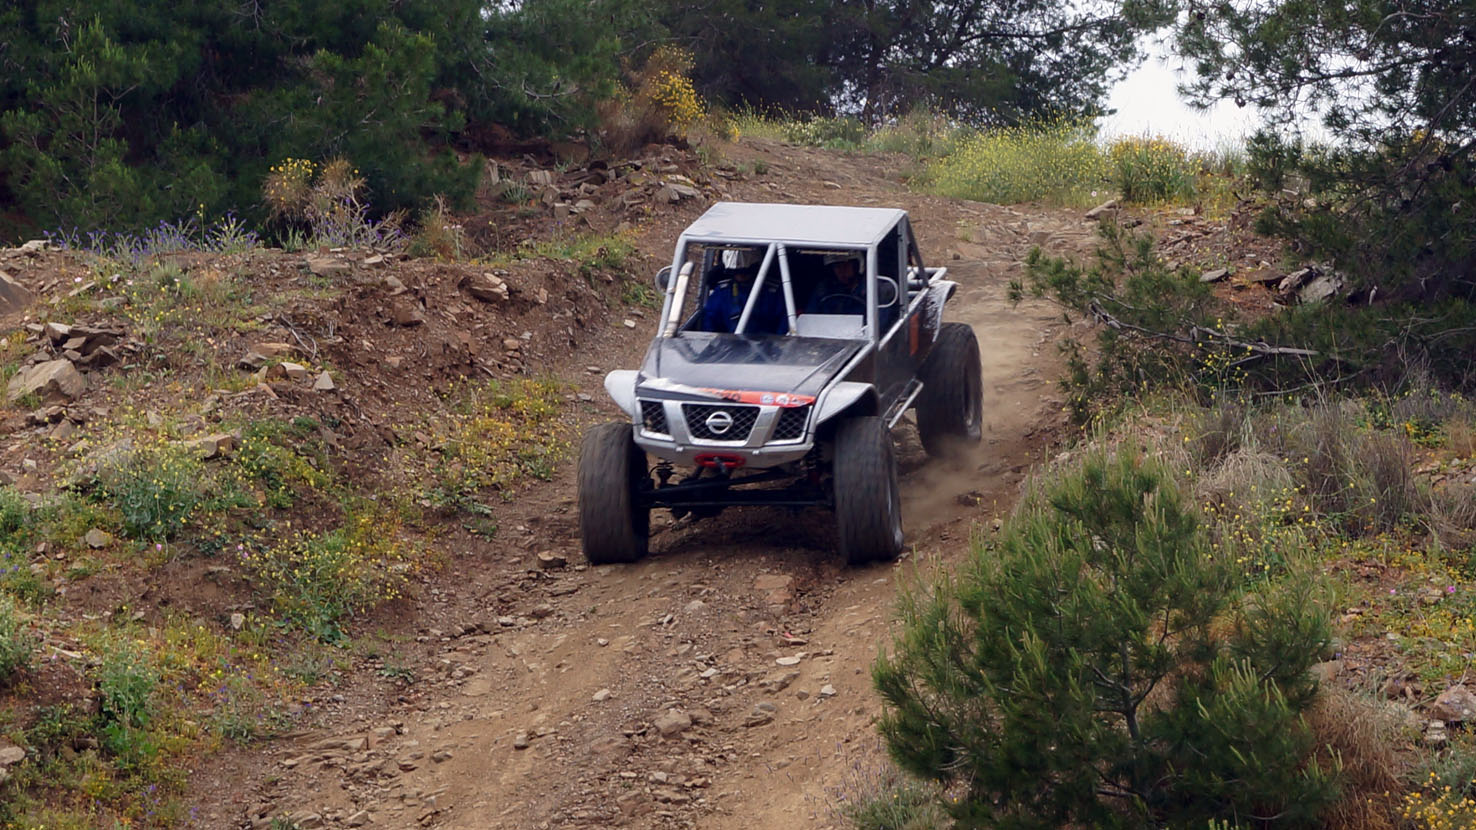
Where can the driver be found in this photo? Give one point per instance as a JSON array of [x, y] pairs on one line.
[[727, 297], [842, 291]]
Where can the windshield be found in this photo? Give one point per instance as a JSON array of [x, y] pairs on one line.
[[769, 289], [730, 289]]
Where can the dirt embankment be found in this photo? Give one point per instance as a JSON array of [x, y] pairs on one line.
[[721, 683]]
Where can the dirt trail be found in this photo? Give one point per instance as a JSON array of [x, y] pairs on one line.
[[723, 682]]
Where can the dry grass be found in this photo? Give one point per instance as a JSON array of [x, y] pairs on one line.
[[1462, 436], [1217, 432], [1364, 735]]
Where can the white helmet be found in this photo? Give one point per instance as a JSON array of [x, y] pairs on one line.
[[735, 259]]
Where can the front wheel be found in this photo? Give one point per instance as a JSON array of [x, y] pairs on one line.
[[614, 520], [868, 505], [950, 406]]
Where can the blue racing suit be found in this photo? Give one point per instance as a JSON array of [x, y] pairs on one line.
[[725, 304]]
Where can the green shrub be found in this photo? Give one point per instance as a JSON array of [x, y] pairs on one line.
[[15, 515], [17, 643], [127, 681], [1096, 667], [838, 133], [155, 489], [315, 581], [877, 796], [1056, 163], [1151, 170]]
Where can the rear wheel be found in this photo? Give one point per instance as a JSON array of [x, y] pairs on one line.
[[868, 506], [950, 406], [614, 521]]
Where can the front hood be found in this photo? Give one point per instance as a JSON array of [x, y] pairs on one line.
[[702, 361]]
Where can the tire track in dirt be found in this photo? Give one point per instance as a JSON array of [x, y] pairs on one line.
[[723, 682]]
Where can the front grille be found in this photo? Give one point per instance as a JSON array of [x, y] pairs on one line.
[[791, 425], [697, 415], [653, 417]]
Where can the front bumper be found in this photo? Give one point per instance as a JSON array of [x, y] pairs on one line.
[[762, 435]]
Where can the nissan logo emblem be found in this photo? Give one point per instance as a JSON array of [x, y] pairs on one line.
[[719, 422]]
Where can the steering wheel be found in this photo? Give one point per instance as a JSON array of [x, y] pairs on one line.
[[848, 303], [851, 301]]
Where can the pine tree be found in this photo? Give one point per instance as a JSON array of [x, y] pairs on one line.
[[1097, 667]]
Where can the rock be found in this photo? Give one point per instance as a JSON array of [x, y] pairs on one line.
[[11, 755], [273, 348], [237, 621], [327, 266], [14, 297], [694, 606], [324, 383], [1322, 288], [601, 696], [358, 819], [487, 287], [1096, 212], [762, 713], [213, 446], [521, 740], [541, 178], [549, 560], [1435, 735], [827, 690], [53, 380], [441, 756], [98, 539], [779, 681], [34, 246], [294, 371], [793, 660], [1454, 705], [1215, 275], [674, 722], [583, 205], [541, 610], [406, 314], [772, 582]]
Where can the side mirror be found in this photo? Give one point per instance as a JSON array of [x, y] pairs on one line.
[[663, 278]]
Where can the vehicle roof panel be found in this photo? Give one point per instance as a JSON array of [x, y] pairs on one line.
[[800, 224]]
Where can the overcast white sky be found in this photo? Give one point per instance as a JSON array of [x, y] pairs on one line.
[[1148, 103]]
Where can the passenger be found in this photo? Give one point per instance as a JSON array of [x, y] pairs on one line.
[[727, 298], [842, 291]]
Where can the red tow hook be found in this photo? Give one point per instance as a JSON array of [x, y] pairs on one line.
[[720, 461]]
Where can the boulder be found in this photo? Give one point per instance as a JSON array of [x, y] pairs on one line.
[[1454, 705], [1096, 212], [407, 314], [14, 297], [487, 287], [323, 266], [53, 380], [674, 722]]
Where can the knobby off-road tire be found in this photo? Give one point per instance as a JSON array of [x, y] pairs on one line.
[[951, 405], [614, 524], [868, 506]]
